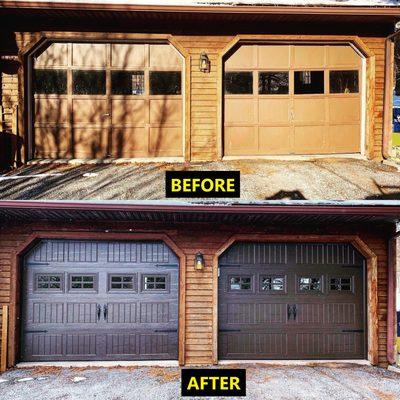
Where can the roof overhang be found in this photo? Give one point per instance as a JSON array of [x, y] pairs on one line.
[[265, 212], [221, 7]]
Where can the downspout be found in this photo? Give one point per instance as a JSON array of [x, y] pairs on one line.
[[391, 299], [388, 96]]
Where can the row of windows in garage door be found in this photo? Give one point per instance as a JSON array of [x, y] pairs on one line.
[[89, 282]]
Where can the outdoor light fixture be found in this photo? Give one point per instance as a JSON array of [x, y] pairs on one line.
[[204, 65], [199, 262]]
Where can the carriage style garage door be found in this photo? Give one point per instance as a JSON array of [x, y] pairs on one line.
[[291, 301], [92, 300], [292, 99], [95, 100]]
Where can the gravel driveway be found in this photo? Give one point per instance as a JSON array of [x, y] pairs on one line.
[[319, 381]]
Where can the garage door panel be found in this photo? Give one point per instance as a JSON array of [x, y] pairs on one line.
[[130, 142], [343, 56], [129, 112], [309, 110], [240, 140], [309, 139], [90, 111], [273, 57], [344, 138], [239, 110], [344, 110], [55, 55], [308, 56], [275, 140], [165, 111], [129, 55], [116, 314], [52, 141], [51, 111], [90, 143], [273, 111], [308, 308], [243, 57], [165, 142], [89, 54], [164, 57]]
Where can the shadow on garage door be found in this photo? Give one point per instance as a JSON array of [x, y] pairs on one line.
[[291, 301], [100, 300]]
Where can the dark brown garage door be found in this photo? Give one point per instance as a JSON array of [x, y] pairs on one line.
[[94, 300], [291, 301]]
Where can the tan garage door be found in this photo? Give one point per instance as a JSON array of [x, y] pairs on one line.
[[106, 99], [292, 99]]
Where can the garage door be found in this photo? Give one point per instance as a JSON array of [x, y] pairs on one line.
[[90, 300], [95, 100], [291, 301], [292, 99]]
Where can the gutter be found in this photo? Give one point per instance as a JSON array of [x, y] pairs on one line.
[[216, 9], [306, 208]]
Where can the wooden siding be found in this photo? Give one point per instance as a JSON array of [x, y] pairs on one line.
[[203, 104], [200, 286]]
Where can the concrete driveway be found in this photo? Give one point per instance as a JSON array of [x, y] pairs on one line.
[[312, 381]]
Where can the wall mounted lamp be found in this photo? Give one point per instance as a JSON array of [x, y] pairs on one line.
[[199, 262], [204, 64]]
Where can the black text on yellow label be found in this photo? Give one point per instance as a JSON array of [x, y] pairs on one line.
[[202, 184], [213, 382]]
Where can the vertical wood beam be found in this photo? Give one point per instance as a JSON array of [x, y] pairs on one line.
[[4, 339]]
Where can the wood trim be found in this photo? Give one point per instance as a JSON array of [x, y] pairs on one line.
[[355, 40], [388, 99], [33, 238], [221, 9], [391, 302], [372, 280], [4, 338]]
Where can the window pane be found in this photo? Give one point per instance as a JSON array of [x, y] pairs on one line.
[[308, 82], [89, 82], [127, 83], [155, 282], [239, 82], [82, 282], [50, 81], [343, 81], [310, 284], [273, 83], [165, 83]]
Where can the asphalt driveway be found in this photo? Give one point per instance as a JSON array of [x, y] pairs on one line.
[[318, 381]]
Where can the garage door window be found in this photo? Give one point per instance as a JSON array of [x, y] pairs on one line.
[[273, 82], [50, 81], [310, 284], [273, 283], [154, 282], [239, 83], [49, 282], [309, 82], [165, 83], [240, 283], [340, 284], [121, 282], [82, 282], [343, 81], [127, 83], [89, 82]]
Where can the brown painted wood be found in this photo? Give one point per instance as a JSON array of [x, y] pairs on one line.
[[4, 338]]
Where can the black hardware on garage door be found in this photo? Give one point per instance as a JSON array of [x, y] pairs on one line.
[[291, 301], [100, 300]]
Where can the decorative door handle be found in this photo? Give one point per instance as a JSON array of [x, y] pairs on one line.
[[98, 311], [289, 311], [294, 311], [105, 311]]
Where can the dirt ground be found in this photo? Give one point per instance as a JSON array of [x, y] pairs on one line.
[[318, 381], [327, 179]]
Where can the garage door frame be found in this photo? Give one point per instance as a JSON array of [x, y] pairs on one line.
[[371, 281], [33, 239], [26, 98], [367, 84]]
